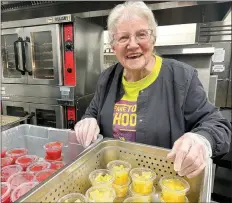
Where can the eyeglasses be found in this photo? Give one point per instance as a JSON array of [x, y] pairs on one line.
[[123, 38]]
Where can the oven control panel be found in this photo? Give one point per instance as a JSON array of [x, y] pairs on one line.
[[69, 65]]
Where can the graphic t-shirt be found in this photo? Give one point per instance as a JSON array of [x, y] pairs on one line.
[[125, 116]]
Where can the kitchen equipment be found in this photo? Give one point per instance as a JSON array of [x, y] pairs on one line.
[[74, 177], [47, 65]]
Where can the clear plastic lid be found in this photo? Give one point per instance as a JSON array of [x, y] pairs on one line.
[[100, 194], [8, 171], [174, 184], [137, 199], [18, 178], [6, 161], [101, 177], [119, 165], [43, 175], [160, 199], [53, 146], [142, 174], [38, 166], [26, 160], [22, 189], [16, 152], [73, 197], [5, 191]]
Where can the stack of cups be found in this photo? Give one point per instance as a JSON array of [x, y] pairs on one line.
[[120, 170], [142, 183], [53, 151]]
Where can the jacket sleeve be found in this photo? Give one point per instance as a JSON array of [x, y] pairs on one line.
[[203, 118]]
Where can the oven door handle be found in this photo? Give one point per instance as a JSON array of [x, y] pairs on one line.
[[17, 56], [24, 55]]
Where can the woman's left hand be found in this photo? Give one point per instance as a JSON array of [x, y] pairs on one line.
[[189, 154]]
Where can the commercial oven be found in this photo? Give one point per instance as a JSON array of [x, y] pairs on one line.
[[48, 64]]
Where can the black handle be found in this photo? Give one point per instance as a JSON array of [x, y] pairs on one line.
[[24, 55], [16, 56]]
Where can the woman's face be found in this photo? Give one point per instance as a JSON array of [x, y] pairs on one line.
[[133, 43]]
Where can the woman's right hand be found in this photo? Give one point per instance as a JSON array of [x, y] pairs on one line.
[[86, 131]]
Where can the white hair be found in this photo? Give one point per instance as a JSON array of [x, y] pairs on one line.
[[129, 9]]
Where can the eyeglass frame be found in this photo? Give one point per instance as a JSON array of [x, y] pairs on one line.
[[130, 35]]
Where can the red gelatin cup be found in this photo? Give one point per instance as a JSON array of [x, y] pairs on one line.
[[52, 160], [43, 175], [38, 166], [22, 189], [19, 178], [16, 153], [53, 150], [56, 165], [5, 192], [3, 152], [26, 160], [8, 171], [6, 161]]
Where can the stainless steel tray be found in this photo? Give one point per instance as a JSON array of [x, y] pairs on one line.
[[11, 121], [34, 137], [74, 177]]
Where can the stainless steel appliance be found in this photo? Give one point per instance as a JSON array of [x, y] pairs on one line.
[[48, 64]]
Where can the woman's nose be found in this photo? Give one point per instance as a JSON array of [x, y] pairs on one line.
[[132, 42]]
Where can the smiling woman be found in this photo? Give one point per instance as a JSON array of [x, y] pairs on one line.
[[148, 99]]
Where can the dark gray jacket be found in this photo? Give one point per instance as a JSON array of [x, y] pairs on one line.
[[174, 104]]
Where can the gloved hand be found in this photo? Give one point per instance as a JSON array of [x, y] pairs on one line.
[[86, 131], [190, 154]]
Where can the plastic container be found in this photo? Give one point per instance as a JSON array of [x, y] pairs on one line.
[[148, 196], [162, 201], [174, 189], [43, 175], [6, 161], [8, 171], [38, 166], [53, 150], [16, 153], [21, 190], [101, 177], [51, 160], [18, 178], [120, 169], [5, 192], [3, 152], [142, 180], [121, 190], [26, 160], [56, 165], [73, 197], [100, 194], [137, 199]]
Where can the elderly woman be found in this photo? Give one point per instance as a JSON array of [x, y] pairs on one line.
[[152, 100]]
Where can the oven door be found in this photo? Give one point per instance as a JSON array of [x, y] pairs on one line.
[[18, 109], [43, 54], [47, 115], [11, 55]]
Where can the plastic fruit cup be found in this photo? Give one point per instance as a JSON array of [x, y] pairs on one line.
[[56, 165], [137, 199], [46, 158], [8, 171], [26, 160], [162, 201], [101, 177], [148, 196], [38, 166], [142, 180], [16, 153], [6, 161], [43, 175], [120, 169], [100, 194], [173, 188], [19, 178], [53, 150], [73, 197], [3, 152], [5, 192], [121, 190], [21, 190]]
